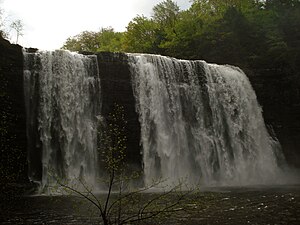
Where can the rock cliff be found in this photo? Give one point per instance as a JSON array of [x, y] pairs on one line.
[[278, 95], [116, 88], [13, 165]]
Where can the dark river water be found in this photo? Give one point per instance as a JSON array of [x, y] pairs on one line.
[[234, 205]]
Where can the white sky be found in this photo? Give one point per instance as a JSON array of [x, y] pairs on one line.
[[48, 23]]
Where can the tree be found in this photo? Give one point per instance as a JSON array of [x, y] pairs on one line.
[[104, 40], [85, 41], [126, 205], [109, 40], [141, 35], [18, 26], [180, 42], [165, 13]]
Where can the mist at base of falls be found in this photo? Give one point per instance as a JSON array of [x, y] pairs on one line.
[[200, 123]]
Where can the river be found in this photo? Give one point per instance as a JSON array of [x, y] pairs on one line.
[[225, 205]]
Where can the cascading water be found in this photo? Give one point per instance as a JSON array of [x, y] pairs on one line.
[[201, 123], [62, 93]]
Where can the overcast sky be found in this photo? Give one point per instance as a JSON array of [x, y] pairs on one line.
[[48, 23]]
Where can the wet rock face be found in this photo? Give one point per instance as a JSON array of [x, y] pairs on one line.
[[13, 166], [279, 96], [116, 88]]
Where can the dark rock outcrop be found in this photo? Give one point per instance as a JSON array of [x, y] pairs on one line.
[[116, 88], [279, 95], [13, 164]]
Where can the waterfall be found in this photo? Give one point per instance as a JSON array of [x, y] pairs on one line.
[[62, 100], [201, 123]]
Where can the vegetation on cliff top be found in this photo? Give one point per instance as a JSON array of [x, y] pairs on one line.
[[251, 34]]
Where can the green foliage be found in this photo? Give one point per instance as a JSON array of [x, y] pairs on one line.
[[104, 40], [252, 34], [110, 40], [141, 35], [112, 141], [165, 13]]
